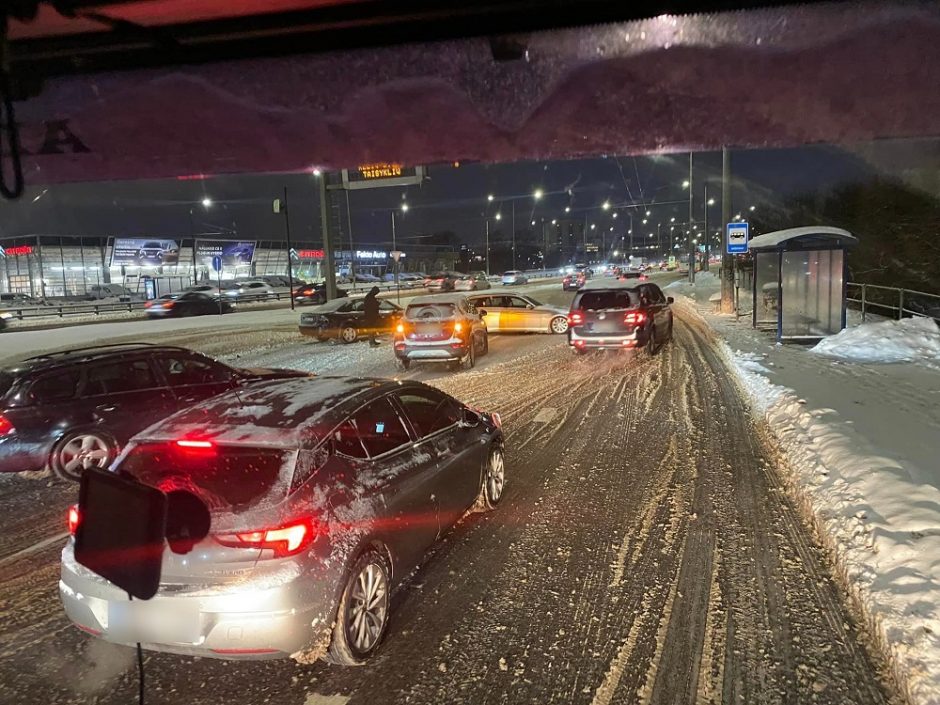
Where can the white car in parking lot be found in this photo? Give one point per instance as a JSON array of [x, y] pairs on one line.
[[514, 276]]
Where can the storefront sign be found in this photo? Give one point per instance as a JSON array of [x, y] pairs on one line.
[[233, 253], [18, 250], [382, 174], [144, 253], [311, 254]]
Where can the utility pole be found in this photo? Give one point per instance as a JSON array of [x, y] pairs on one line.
[[691, 220], [328, 260], [727, 261], [513, 203], [487, 221], [352, 250], [290, 252], [707, 239]]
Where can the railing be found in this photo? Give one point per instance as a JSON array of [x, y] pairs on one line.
[[874, 298]]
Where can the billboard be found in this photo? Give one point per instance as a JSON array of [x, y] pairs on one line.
[[234, 253], [149, 252]]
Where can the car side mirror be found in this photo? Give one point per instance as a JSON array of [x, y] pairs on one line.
[[482, 311], [530, 306], [469, 418], [670, 300]]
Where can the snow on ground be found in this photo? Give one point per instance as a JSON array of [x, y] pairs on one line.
[[907, 340], [860, 440], [706, 284]]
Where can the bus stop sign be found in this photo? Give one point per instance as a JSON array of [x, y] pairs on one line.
[[737, 238], [217, 263]]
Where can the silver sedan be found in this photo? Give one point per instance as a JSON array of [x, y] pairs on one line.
[[519, 313]]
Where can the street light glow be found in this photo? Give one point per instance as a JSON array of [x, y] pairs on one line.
[[490, 198], [567, 209], [404, 207], [644, 221], [498, 216], [554, 222], [752, 208], [615, 215], [593, 226], [711, 201], [685, 184], [316, 171], [648, 214], [533, 222], [606, 205], [538, 194], [206, 202]]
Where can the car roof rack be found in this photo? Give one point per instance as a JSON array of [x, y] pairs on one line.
[[103, 348]]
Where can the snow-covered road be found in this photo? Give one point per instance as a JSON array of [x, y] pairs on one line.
[[645, 552]]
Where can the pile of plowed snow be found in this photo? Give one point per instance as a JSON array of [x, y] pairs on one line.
[[907, 340]]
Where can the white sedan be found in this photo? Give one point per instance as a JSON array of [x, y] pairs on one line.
[[519, 313]]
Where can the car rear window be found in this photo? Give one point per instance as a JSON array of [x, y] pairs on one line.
[[610, 299], [226, 478], [430, 312]]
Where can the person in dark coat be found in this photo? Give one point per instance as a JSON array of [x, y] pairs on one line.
[[370, 309]]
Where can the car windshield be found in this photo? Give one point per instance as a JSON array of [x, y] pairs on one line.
[[534, 302], [604, 300], [227, 478]]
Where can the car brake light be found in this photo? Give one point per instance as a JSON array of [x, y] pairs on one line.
[[634, 317], [148, 304], [74, 518], [575, 319], [458, 327], [284, 540], [186, 443], [6, 426], [400, 329]]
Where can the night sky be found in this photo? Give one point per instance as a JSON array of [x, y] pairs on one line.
[[452, 199]]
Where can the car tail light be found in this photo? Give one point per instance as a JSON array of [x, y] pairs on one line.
[[148, 304], [308, 292], [6, 426], [188, 443], [458, 327], [575, 318], [400, 329], [73, 518], [286, 540], [579, 343], [634, 318]]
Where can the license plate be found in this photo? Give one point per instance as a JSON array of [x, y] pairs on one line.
[[154, 622]]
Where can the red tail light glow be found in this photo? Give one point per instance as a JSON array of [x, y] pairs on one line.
[[634, 318], [74, 518], [186, 443], [575, 318], [284, 540], [148, 304], [6, 426]]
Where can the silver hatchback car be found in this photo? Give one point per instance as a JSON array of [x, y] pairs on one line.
[[324, 493]]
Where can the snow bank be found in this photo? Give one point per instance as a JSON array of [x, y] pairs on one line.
[[706, 284], [881, 523], [908, 340]]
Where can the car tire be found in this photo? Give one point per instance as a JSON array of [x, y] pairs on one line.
[[470, 359], [79, 450], [403, 363], [494, 481], [358, 629], [651, 343], [348, 334], [558, 325]]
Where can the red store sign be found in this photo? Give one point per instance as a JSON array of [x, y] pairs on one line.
[[310, 254], [19, 250]]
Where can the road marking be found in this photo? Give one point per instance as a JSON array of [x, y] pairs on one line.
[[545, 415], [317, 699], [38, 546]]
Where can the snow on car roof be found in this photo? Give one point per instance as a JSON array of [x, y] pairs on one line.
[[279, 413], [437, 299], [815, 234], [332, 305]]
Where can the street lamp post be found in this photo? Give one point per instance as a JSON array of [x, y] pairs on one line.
[[691, 218]]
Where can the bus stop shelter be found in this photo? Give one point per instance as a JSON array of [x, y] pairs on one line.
[[799, 281]]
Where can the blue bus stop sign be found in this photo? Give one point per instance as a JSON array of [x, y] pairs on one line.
[[217, 263], [737, 238]]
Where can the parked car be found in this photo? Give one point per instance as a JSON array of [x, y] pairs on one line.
[[15, 299], [440, 328], [442, 281], [315, 294], [514, 276], [318, 511], [192, 303], [344, 319], [364, 278], [73, 410], [517, 313], [618, 315], [472, 282], [249, 291], [112, 291]]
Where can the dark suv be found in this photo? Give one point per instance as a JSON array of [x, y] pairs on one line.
[[618, 315], [73, 410]]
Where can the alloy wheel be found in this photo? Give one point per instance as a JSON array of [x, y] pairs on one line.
[[559, 325], [83, 453], [495, 476], [368, 608]]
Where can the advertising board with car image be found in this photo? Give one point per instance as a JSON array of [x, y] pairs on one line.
[[142, 252], [234, 253]]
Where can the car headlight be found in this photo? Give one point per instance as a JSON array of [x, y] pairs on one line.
[[6, 315]]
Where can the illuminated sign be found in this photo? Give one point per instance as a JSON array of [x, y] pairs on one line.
[[311, 254], [18, 250], [234, 253], [382, 174]]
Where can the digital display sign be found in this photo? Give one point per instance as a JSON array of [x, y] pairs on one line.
[[379, 174]]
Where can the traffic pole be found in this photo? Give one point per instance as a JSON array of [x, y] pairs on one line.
[[290, 251], [691, 221], [727, 260], [328, 259]]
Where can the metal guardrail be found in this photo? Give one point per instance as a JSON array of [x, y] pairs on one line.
[[900, 302]]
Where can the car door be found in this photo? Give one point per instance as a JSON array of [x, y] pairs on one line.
[[516, 314], [389, 314], [396, 476], [458, 455], [125, 396], [663, 313], [485, 303]]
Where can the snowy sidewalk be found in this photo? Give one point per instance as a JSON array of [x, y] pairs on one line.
[[862, 441]]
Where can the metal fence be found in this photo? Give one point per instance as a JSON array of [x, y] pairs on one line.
[[901, 303]]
